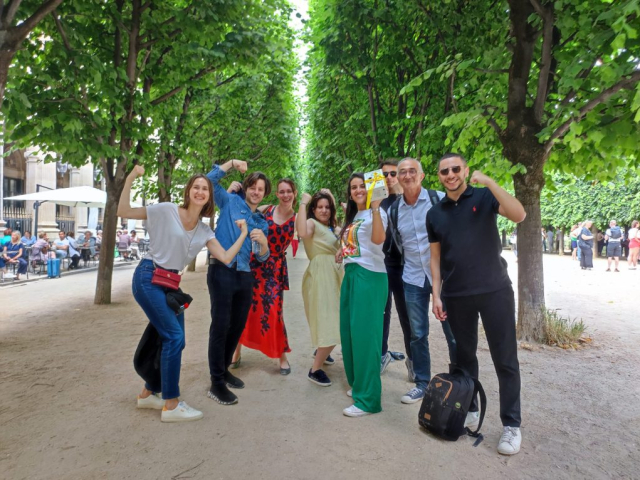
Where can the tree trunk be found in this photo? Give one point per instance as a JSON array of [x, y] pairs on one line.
[[109, 228], [6, 57], [561, 243], [530, 268]]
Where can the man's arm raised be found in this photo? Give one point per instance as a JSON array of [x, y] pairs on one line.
[[510, 207]]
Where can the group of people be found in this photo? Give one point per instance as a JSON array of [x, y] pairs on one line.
[[583, 240], [128, 244], [22, 250], [414, 244]]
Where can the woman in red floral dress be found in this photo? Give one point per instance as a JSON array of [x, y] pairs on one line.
[[265, 329]]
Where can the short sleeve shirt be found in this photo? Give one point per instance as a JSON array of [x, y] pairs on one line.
[[357, 246], [170, 245], [471, 260], [415, 240]]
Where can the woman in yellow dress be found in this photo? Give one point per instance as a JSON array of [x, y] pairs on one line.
[[317, 227]]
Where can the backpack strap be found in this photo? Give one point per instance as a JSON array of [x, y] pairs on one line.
[[392, 214], [433, 196], [483, 407]]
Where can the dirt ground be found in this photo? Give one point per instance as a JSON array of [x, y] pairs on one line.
[[69, 391]]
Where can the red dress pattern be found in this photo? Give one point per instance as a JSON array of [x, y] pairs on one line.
[[265, 329]]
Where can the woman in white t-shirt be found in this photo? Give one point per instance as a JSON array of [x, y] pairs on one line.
[[177, 234], [363, 297]]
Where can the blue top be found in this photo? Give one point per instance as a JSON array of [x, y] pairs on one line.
[[28, 241], [13, 249], [232, 208]]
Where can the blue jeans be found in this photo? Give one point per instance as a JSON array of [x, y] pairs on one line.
[[22, 265], [153, 301], [417, 300]]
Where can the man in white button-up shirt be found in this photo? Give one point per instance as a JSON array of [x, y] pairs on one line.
[[412, 229]]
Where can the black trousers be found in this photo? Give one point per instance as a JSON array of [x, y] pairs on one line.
[[396, 288], [231, 293], [497, 311], [74, 261], [586, 257]]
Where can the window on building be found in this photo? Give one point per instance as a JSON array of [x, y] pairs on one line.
[[12, 187]]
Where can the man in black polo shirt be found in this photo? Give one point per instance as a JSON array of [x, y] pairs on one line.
[[470, 275]]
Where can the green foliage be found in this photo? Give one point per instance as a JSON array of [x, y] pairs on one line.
[[76, 90], [454, 57], [573, 200]]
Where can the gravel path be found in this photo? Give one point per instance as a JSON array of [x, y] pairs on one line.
[[69, 388]]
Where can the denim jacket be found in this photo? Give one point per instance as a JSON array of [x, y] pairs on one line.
[[232, 208]]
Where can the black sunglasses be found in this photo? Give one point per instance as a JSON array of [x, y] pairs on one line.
[[386, 174], [445, 171]]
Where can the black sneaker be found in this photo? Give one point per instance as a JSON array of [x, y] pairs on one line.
[[328, 361], [319, 378], [232, 381], [222, 395]]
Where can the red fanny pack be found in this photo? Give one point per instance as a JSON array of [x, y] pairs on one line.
[[165, 278]]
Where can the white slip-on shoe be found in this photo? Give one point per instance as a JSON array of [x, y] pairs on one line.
[[510, 441], [350, 392], [153, 401], [182, 413], [354, 411]]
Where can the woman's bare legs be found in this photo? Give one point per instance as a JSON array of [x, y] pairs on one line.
[[236, 354], [284, 361], [321, 356]]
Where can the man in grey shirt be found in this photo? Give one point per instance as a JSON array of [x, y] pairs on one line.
[[412, 231]]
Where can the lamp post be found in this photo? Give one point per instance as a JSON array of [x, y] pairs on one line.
[[36, 205]]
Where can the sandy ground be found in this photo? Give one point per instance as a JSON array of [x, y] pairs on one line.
[[69, 390]]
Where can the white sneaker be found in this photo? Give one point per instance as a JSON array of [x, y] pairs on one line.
[[472, 420], [385, 360], [510, 440], [354, 411], [154, 401], [350, 392], [182, 413]]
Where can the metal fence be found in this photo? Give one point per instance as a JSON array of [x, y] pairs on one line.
[[66, 224], [18, 219]]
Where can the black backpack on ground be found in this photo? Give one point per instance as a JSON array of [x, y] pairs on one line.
[[446, 403]]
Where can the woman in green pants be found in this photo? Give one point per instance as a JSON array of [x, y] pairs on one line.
[[363, 297]]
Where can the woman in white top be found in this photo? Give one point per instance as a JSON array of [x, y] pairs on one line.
[[177, 234], [363, 297]]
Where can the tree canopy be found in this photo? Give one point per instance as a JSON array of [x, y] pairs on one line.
[[522, 88], [156, 83]]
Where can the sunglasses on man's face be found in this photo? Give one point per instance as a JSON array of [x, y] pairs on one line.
[[445, 171], [386, 174]]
